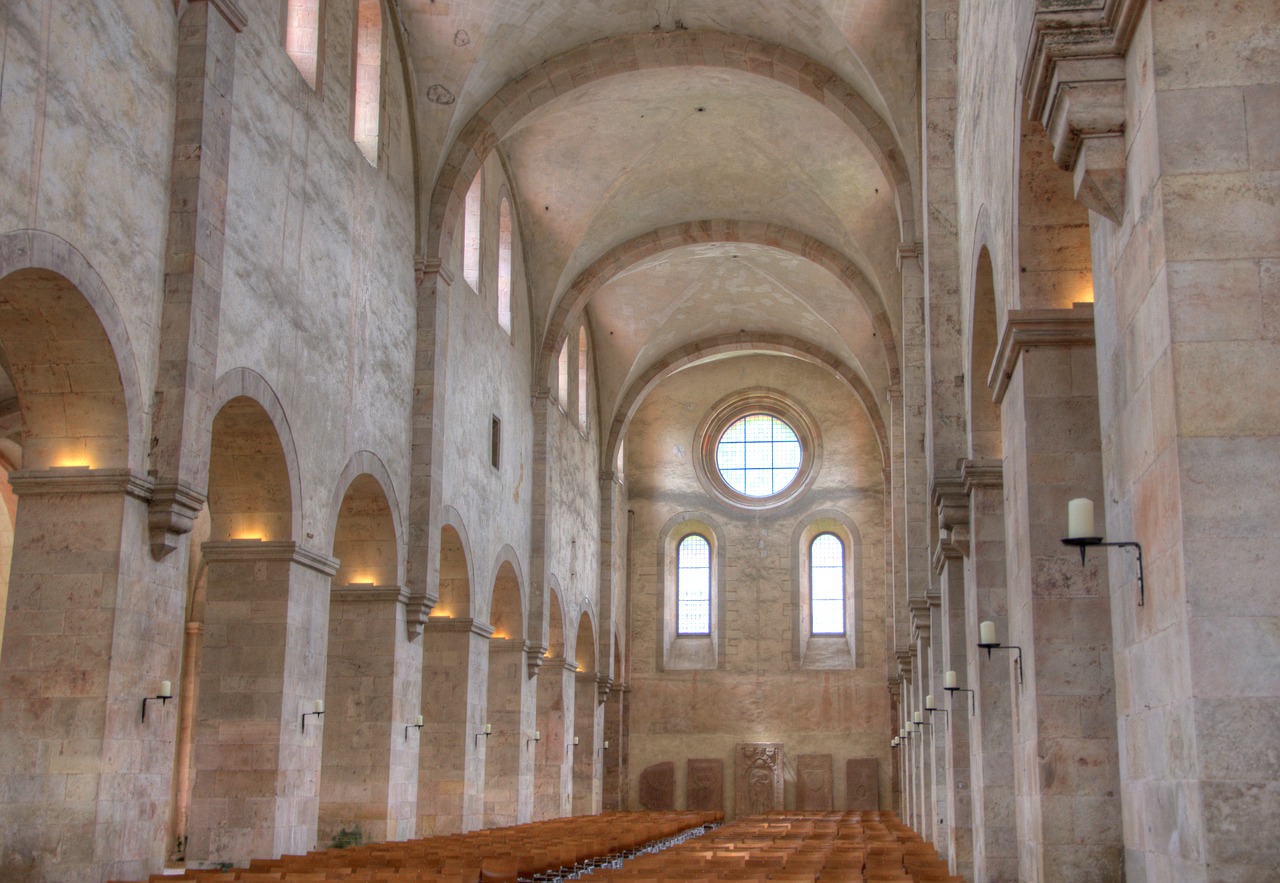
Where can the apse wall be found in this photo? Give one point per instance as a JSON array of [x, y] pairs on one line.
[[760, 683]]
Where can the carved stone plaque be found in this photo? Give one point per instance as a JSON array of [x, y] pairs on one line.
[[704, 788], [757, 778], [658, 786], [813, 783], [862, 783]]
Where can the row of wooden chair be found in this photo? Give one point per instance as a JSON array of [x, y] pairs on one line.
[[556, 847]]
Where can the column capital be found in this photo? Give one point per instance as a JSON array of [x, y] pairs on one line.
[[981, 473], [269, 550], [446, 625], [909, 252], [364, 593], [1024, 329], [59, 480], [423, 269]]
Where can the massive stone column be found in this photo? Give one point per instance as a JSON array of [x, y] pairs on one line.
[[995, 843], [1066, 765], [952, 720], [455, 667], [257, 769], [550, 751], [508, 798], [587, 726], [369, 770], [89, 634]]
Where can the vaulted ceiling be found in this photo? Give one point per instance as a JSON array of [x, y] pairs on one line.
[[686, 170]]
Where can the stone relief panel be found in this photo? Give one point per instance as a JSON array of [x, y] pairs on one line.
[[862, 783], [704, 785], [813, 783], [658, 786], [757, 778]]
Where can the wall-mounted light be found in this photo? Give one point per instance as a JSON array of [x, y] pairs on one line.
[[575, 740], [165, 694], [603, 748], [413, 726], [488, 731], [1082, 535], [987, 641], [931, 708], [949, 684], [895, 743], [917, 718], [537, 737], [318, 712]]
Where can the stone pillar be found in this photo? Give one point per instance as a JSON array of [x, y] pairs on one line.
[[986, 596], [952, 718], [937, 733], [257, 770], [369, 768], [550, 752], [90, 632], [587, 723], [181, 420], [507, 789], [1066, 764], [455, 667], [925, 823], [615, 728]]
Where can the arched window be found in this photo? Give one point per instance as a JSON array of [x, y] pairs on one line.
[[826, 585], [303, 37], [367, 101], [562, 366], [693, 586], [582, 378], [471, 236], [504, 265]]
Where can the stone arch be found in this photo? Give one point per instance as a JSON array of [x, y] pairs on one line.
[[985, 439], [584, 644], [40, 258], [249, 386], [455, 595], [609, 265], [507, 597], [764, 342], [366, 468], [629, 53], [506, 797], [555, 619]]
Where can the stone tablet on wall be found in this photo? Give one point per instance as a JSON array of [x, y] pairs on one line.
[[757, 778], [862, 783], [658, 786], [704, 787], [813, 783]]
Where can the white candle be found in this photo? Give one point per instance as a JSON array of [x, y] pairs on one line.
[[987, 633], [319, 706], [606, 744], [166, 689], [917, 717], [419, 723], [928, 702], [949, 680], [1080, 518], [575, 740], [537, 735], [488, 729], [902, 734]]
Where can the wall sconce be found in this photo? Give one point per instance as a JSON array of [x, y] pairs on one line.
[[904, 734], [917, 718], [987, 641], [537, 737], [165, 694], [319, 712], [949, 684], [1081, 534], [603, 748], [575, 740], [931, 708], [488, 731], [414, 726]]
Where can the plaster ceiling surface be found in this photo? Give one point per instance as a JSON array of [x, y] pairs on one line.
[[468, 49], [629, 154], [704, 291]]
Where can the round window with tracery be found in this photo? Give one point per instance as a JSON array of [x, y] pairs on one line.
[[758, 449], [758, 455]]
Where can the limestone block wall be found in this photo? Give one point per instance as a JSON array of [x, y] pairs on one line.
[[758, 691]]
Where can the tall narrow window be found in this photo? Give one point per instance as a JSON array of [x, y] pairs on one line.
[[826, 585], [582, 378], [471, 236], [693, 586], [367, 100], [504, 265], [562, 390], [303, 27]]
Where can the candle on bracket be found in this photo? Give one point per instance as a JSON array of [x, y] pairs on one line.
[[917, 717], [419, 722], [488, 729], [987, 633], [949, 680], [1080, 518], [166, 689], [319, 706], [928, 702], [537, 735]]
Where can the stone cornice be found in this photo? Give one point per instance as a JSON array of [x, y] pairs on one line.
[[1024, 329], [362, 593], [920, 622], [905, 662], [981, 473], [460, 624], [1074, 83], [422, 268], [81, 480], [269, 550], [952, 508], [909, 251]]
